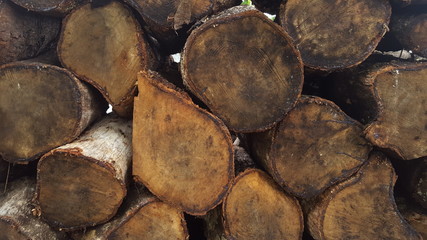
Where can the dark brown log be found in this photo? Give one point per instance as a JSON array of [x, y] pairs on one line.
[[411, 31], [361, 207], [414, 215], [4, 170], [17, 221], [105, 47], [56, 8], [257, 208], [181, 153], [22, 34], [335, 34], [393, 99], [142, 216], [269, 6], [418, 183], [314, 147], [247, 81], [84, 182], [42, 107], [168, 20]]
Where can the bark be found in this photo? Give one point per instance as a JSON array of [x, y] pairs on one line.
[[247, 81], [411, 31], [257, 208], [181, 153], [22, 34], [335, 34], [314, 147], [16, 214], [42, 107], [168, 21], [84, 182], [392, 99], [361, 207], [105, 47], [56, 8], [142, 216]]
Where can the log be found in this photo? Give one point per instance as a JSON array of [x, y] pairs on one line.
[[391, 98], [55, 8], [22, 34], [257, 208], [248, 82], [142, 216], [414, 215], [168, 21], [42, 107], [181, 153], [335, 34], [411, 31], [361, 207], [314, 147], [83, 183], [105, 47], [16, 219], [418, 183], [404, 3]]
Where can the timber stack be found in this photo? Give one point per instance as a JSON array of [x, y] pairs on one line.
[[213, 119]]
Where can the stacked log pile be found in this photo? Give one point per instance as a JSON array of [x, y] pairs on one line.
[[295, 127]]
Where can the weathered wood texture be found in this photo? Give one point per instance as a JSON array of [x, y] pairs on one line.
[[181, 153], [56, 8], [17, 221], [247, 81], [23, 34], [106, 47], [392, 98], [411, 31], [361, 207], [257, 208], [415, 216], [142, 216], [335, 34], [84, 182], [42, 107], [314, 147], [168, 21]]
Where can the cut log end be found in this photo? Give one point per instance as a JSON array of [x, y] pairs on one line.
[[248, 81], [182, 153], [42, 107], [105, 47], [361, 207], [335, 34], [257, 208], [56, 8], [315, 146]]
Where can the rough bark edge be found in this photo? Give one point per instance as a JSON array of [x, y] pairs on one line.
[[147, 56], [351, 62], [74, 152], [315, 223], [80, 92], [305, 99], [60, 10], [224, 17], [162, 85], [371, 81], [227, 232]]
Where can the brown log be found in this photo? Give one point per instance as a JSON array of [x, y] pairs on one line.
[[335, 34], [247, 81], [181, 153], [411, 31], [56, 8], [361, 207], [17, 221], [392, 98], [42, 107], [314, 147], [142, 216], [257, 208], [22, 34], [106, 47], [84, 182], [414, 215], [169, 20]]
